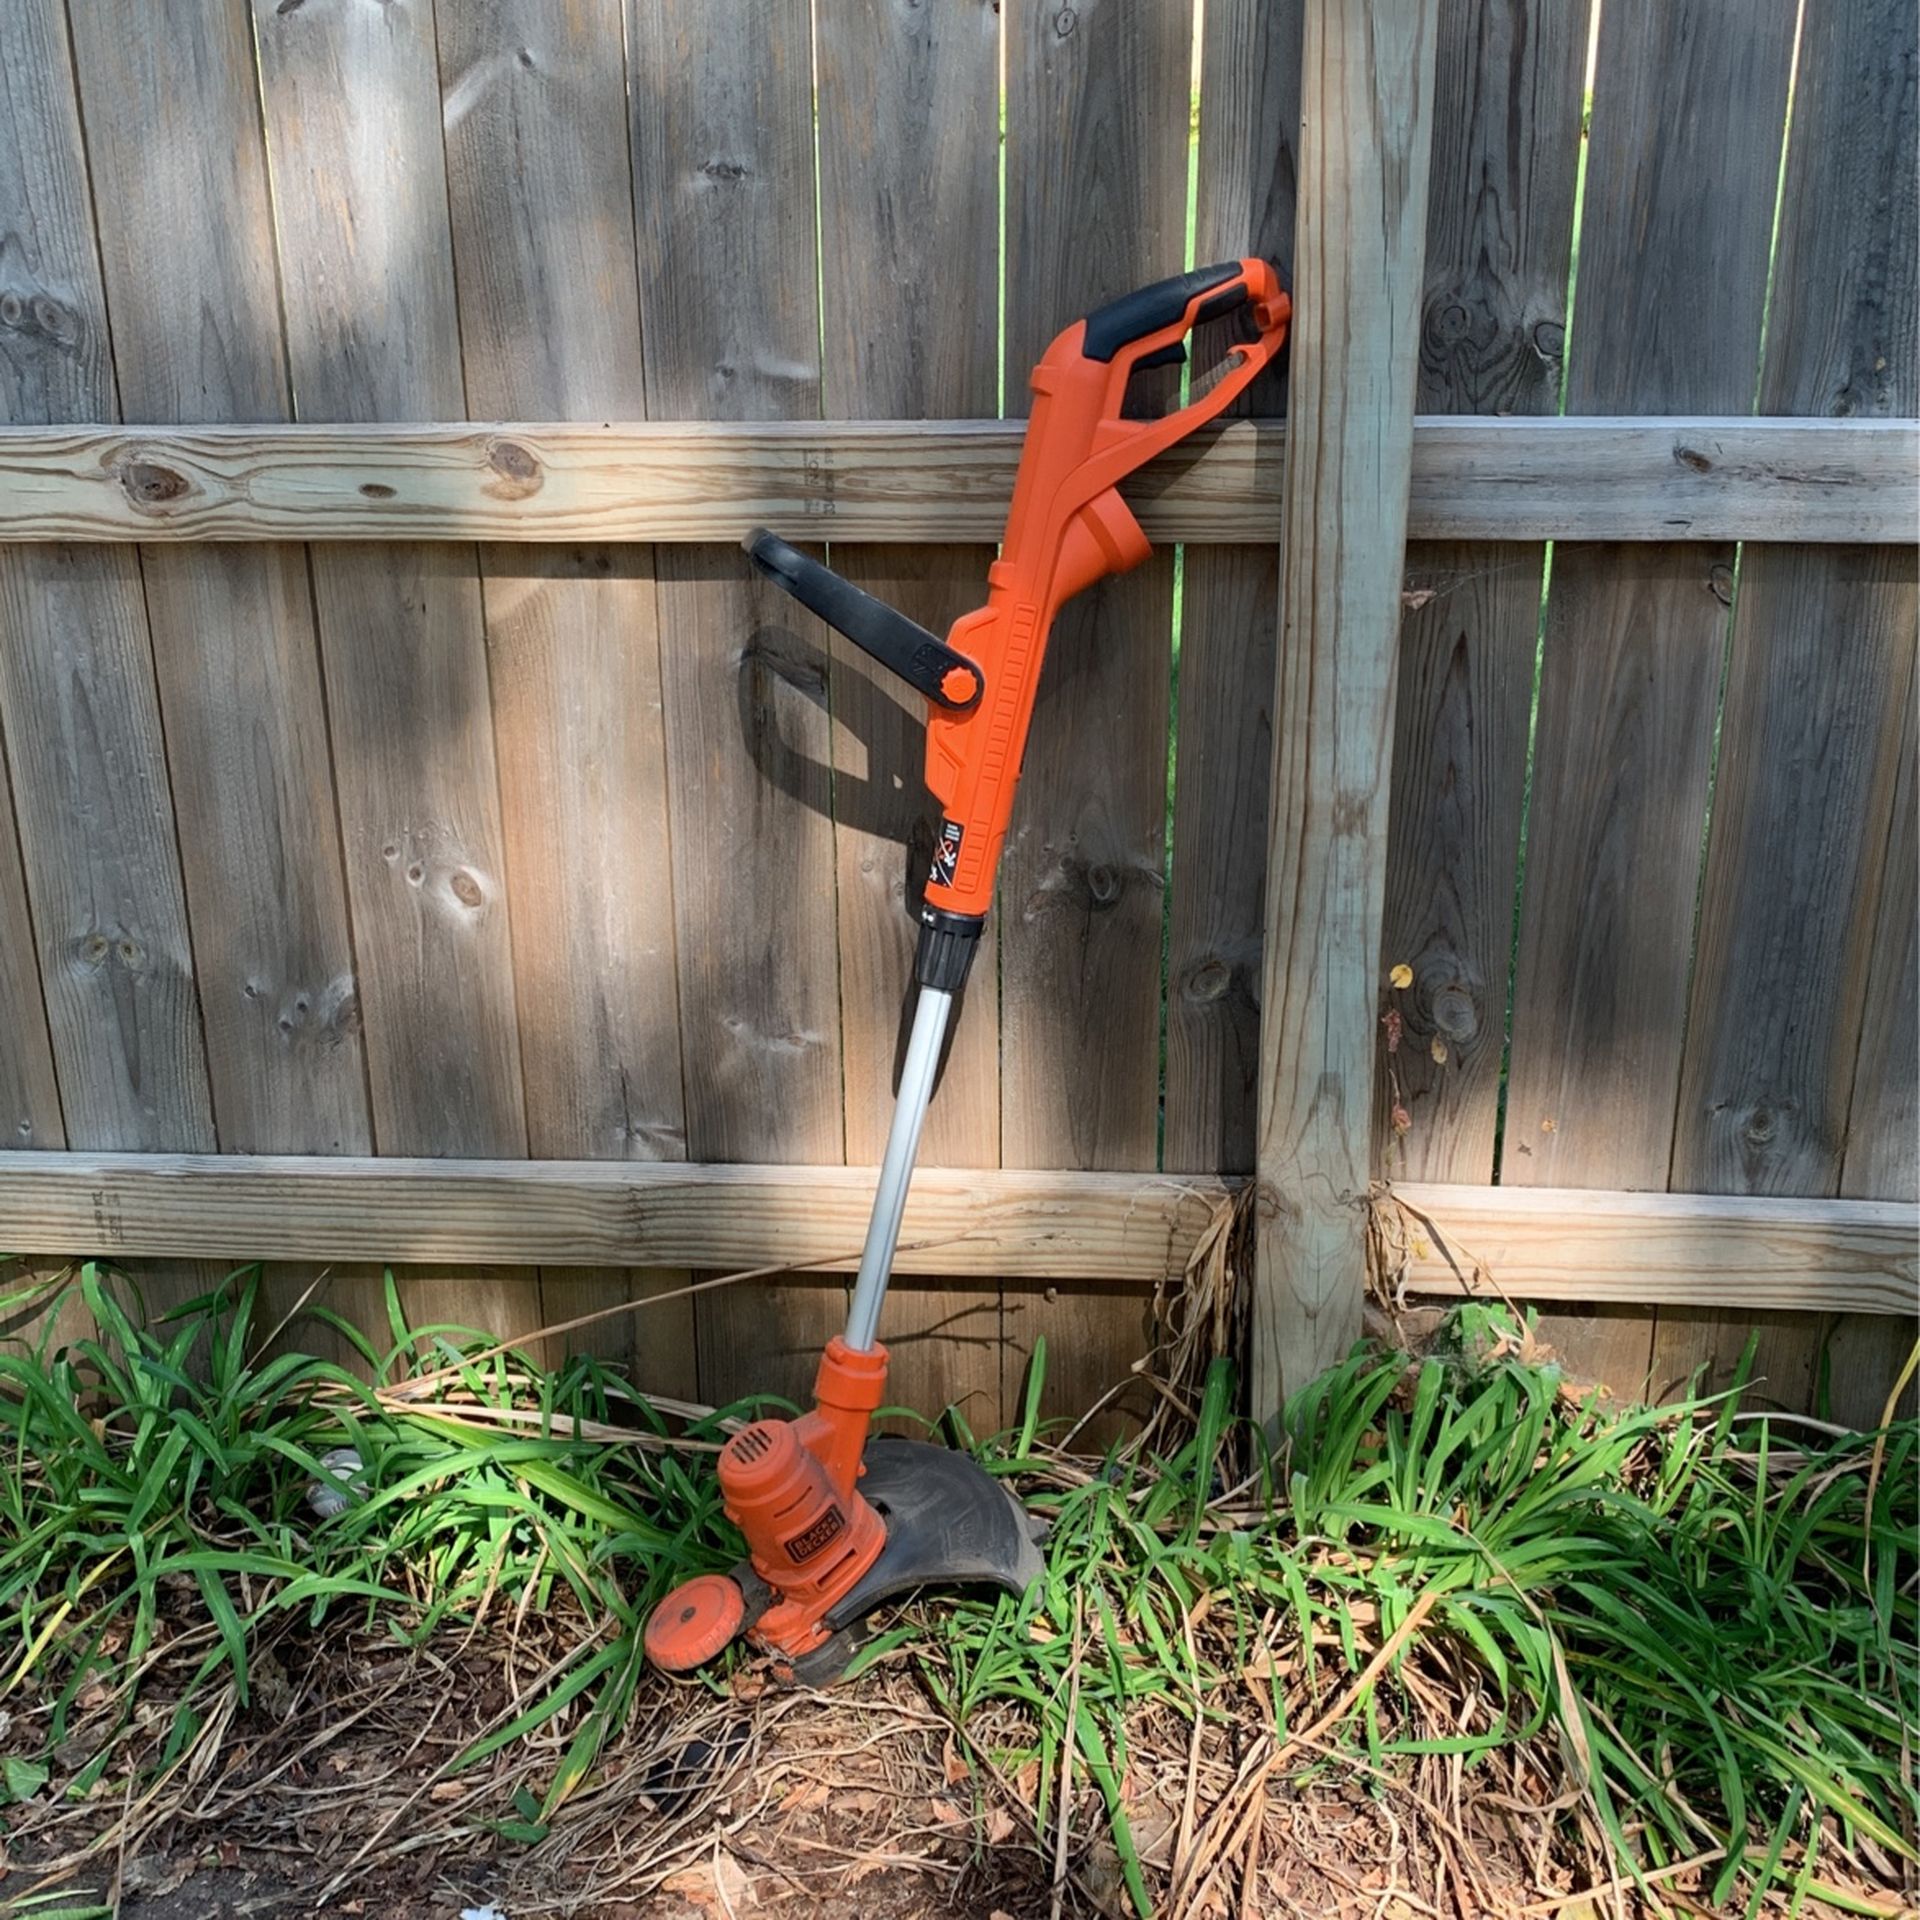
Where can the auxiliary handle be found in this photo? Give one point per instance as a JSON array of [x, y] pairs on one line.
[[1067, 528]]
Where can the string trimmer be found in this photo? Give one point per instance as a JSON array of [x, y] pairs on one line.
[[836, 1522]]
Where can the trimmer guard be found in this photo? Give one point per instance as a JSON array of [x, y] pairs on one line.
[[949, 1523]]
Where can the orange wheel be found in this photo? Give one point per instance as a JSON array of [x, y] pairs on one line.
[[694, 1622]]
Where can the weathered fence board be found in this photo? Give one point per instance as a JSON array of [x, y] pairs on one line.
[[1507, 105], [1819, 685], [1366, 123], [175, 147], [1689, 107], [1244, 203], [1136, 1229], [1097, 106], [351, 102], [722, 139], [541, 206], [84, 740], [1478, 478], [919, 85]]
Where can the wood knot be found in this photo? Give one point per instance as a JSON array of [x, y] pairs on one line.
[[1103, 885], [517, 470], [1209, 980], [1549, 339], [148, 484], [466, 889], [1454, 1013], [725, 172], [375, 490]]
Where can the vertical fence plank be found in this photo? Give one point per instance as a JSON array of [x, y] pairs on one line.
[[353, 119], [1819, 690], [722, 137], [1097, 114], [1365, 138], [29, 1093], [186, 238], [541, 202], [909, 103], [1689, 101], [1506, 131], [179, 173], [82, 721], [52, 366], [1865, 1353], [1249, 120]]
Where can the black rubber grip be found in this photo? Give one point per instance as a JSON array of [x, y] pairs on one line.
[[1147, 309]]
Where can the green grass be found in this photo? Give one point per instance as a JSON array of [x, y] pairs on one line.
[[1714, 1636]]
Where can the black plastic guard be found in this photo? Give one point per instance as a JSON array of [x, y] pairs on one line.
[[949, 1523]]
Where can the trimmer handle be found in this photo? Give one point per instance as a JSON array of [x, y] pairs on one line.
[[1067, 528]]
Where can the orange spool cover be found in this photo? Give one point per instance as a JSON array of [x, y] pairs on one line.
[[694, 1622]]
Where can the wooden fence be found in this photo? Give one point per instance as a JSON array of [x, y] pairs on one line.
[[428, 843]]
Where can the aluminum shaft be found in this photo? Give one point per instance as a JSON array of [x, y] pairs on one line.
[[896, 1169]]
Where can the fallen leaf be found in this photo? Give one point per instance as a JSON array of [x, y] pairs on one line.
[[1401, 976], [809, 1793], [946, 1813], [1438, 1048], [955, 1767], [447, 1790], [999, 1825], [730, 1880], [1026, 1783], [748, 1685]]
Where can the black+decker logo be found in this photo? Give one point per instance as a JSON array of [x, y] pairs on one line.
[[829, 1527]]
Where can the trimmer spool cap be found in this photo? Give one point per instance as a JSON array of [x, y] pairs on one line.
[[694, 1622]]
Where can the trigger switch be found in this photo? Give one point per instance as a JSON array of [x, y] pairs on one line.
[[1173, 355]]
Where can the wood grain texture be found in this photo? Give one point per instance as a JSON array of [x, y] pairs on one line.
[[721, 131], [186, 238], [77, 701], [1883, 1132], [1688, 110], [352, 102], [29, 1094], [1366, 123], [540, 199], [1132, 1227], [1097, 105], [1621, 759], [1731, 1252], [1249, 122], [909, 107], [912, 481], [1820, 681], [1507, 106]]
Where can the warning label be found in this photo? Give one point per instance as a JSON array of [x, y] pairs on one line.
[[946, 852]]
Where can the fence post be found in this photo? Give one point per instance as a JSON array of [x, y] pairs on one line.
[[1366, 118]]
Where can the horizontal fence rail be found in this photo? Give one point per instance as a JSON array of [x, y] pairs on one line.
[[1474, 478], [1859, 1256]]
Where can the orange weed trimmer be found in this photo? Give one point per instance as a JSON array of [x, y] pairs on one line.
[[835, 1522]]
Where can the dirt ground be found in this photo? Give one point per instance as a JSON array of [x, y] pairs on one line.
[[331, 1793]]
